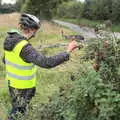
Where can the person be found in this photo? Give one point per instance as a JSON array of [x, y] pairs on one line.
[[21, 59]]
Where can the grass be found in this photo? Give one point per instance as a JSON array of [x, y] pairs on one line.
[[83, 22], [91, 23], [116, 27], [48, 80]]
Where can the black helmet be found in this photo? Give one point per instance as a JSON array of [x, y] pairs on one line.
[[29, 21]]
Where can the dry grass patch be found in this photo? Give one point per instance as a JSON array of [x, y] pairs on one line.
[[9, 20]]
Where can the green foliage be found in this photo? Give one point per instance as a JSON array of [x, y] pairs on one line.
[[44, 9], [18, 5], [87, 10], [92, 95], [115, 8], [91, 9], [7, 8], [69, 10], [102, 10], [88, 98]]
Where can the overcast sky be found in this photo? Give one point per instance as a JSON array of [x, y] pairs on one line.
[[13, 1], [81, 0], [8, 1]]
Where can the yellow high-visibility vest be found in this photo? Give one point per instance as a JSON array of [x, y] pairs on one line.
[[21, 74]]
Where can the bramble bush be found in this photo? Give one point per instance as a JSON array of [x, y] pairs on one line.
[[95, 92]]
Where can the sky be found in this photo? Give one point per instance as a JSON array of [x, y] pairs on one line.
[[8, 1], [13, 1], [81, 0]]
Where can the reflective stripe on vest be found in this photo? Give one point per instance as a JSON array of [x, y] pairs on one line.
[[19, 66], [22, 75]]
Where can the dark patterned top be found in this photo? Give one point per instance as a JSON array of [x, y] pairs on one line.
[[30, 55]]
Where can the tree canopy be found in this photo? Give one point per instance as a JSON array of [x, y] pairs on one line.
[[43, 8]]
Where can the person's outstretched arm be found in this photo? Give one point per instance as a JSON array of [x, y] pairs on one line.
[[30, 55]]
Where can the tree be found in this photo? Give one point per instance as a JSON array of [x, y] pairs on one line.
[[18, 5], [70, 10], [42, 8], [115, 11]]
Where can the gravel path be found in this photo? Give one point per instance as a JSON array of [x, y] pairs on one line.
[[85, 31]]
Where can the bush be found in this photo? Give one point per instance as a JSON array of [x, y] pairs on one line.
[[95, 94]]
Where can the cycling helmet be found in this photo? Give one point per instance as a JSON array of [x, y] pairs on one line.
[[29, 21]]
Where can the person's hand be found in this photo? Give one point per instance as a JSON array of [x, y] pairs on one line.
[[72, 45]]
